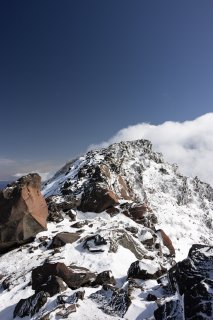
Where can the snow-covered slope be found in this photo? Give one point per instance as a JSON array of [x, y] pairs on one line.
[[183, 205], [135, 175]]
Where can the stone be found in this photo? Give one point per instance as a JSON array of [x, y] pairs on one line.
[[170, 310], [53, 286], [112, 301], [66, 311], [140, 213], [23, 212], [31, 305], [198, 301], [112, 210], [104, 277], [72, 278], [191, 281], [62, 238], [145, 269], [96, 199], [79, 224], [94, 243], [151, 297]]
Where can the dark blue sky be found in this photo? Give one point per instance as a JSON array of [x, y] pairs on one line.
[[74, 72]]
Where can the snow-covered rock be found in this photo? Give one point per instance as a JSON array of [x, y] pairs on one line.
[[131, 209]]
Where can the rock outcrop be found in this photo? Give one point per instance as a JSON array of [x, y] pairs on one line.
[[72, 277], [191, 281], [23, 212]]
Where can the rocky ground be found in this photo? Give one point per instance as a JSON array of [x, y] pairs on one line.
[[127, 236]]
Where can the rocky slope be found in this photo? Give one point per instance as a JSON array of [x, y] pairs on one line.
[[120, 220]]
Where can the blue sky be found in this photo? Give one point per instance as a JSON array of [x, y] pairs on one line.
[[73, 73]]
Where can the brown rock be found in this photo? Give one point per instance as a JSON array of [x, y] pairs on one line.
[[124, 191], [98, 200], [112, 210], [23, 212], [63, 238], [73, 279], [167, 242], [139, 211]]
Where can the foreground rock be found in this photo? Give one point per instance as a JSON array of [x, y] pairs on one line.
[[62, 238], [74, 278], [31, 305], [145, 269], [112, 300], [192, 279], [23, 212]]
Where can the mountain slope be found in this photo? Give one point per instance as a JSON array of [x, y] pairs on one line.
[[183, 205], [120, 219]]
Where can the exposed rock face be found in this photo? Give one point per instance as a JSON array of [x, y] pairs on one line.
[[96, 199], [170, 310], [31, 305], [192, 278], [23, 211], [73, 279]]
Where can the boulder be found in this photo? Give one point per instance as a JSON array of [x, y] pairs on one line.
[[198, 300], [31, 305], [96, 199], [112, 301], [72, 278], [104, 277], [145, 269], [170, 310], [23, 212], [95, 243], [191, 281], [53, 286], [63, 238]]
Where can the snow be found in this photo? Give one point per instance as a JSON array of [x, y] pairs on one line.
[[183, 206]]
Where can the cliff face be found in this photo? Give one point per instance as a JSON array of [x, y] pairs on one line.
[[23, 211]]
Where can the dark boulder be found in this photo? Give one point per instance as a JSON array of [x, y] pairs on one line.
[[104, 277], [112, 301], [72, 278], [62, 238], [53, 286], [145, 269], [198, 301], [94, 243], [151, 297], [191, 280], [31, 305], [96, 199], [171, 310], [197, 267]]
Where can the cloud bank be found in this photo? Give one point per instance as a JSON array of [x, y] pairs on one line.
[[188, 144]]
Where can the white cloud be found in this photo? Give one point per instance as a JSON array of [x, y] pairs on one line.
[[189, 143]]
